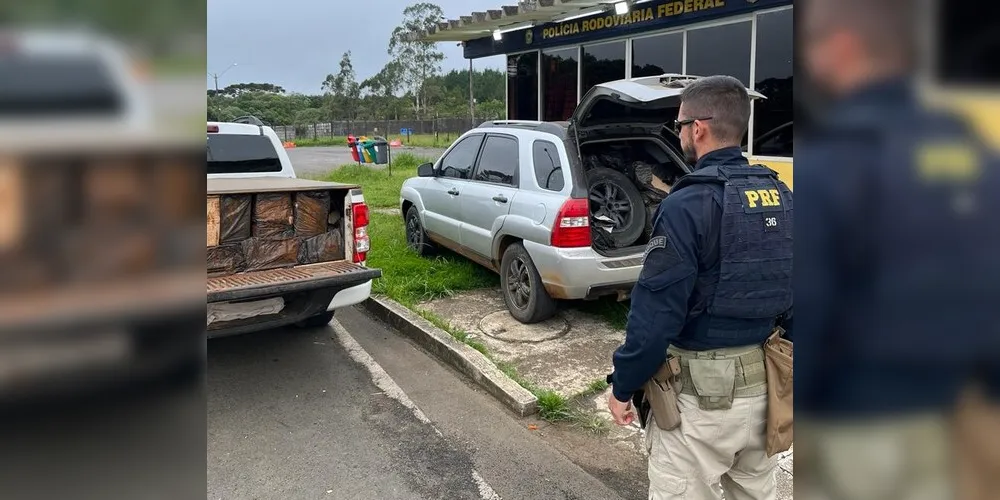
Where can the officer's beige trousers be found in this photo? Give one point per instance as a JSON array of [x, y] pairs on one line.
[[893, 458], [712, 447]]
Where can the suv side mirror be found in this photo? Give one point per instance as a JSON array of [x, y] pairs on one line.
[[425, 170]]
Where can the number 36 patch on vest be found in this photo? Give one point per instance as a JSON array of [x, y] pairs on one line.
[[766, 202]]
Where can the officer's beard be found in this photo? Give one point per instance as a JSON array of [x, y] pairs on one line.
[[690, 155]]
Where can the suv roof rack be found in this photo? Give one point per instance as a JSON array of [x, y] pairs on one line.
[[555, 128], [514, 122]]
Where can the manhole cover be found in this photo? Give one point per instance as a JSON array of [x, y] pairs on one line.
[[502, 326]]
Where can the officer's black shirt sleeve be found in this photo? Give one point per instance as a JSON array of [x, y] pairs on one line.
[[661, 295]]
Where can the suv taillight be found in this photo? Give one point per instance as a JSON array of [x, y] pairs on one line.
[[359, 213], [572, 226]]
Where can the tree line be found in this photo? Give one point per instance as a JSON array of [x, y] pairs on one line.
[[409, 86]]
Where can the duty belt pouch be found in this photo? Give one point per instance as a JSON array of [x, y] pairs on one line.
[[661, 393], [714, 381], [778, 365]]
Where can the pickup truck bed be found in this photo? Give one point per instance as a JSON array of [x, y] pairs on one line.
[[265, 291]]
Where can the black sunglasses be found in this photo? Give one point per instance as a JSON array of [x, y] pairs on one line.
[[679, 124]]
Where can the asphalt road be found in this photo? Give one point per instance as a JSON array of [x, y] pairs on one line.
[[358, 412], [313, 162]]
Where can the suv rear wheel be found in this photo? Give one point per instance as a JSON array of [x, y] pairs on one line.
[[523, 291]]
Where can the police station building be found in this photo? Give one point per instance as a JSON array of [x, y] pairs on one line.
[[558, 49]]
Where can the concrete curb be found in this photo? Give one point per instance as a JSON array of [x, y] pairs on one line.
[[465, 359]]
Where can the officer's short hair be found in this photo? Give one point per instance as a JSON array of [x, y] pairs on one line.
[[725, 100], [888, 28]]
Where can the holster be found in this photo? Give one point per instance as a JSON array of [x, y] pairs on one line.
[[661, 393]]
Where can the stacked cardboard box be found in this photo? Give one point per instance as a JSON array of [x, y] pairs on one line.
[[93, 218], [253, 232]]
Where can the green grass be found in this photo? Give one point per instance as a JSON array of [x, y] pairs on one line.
[[552, 406], [442, 140], [381, 189], [556, 408], [409, 278], [596, 387]]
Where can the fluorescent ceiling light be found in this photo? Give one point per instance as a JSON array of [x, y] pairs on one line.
[[621, 8], [497, 35]]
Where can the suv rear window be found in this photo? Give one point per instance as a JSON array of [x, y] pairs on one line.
[[239, 154], [57, 85], [548, 171]]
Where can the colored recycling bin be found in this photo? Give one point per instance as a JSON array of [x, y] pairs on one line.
[[369, 151], [381, 151], [352, 144]]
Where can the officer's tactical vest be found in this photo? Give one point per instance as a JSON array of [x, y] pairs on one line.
[[755, 246]]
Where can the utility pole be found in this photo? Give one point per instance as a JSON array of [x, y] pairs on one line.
[[215, 76], [472, 98]]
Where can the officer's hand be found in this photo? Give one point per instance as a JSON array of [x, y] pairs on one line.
[[623, 413]]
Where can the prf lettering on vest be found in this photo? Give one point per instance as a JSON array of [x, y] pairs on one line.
[[765, 197]]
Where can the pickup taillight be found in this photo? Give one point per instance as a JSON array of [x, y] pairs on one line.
[[359, 213]]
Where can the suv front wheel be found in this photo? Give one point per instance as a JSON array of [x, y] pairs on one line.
[[523, 291], [416, 238]]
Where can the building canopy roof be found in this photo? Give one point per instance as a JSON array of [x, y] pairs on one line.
[[512, 17]]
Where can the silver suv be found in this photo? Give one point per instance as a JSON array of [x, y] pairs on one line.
[[561, 210]]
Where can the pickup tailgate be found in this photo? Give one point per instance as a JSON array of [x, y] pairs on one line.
[[282, 281]]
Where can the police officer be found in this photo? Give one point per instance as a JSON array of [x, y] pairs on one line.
[[716, 275], [894, 277]]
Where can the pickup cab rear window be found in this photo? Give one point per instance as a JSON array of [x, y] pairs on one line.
[[34, 85], [239, 154]]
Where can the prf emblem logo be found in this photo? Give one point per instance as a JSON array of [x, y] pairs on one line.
[[528, 36], [761, 200]]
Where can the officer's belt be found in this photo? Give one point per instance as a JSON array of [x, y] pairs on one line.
[[751, 378]]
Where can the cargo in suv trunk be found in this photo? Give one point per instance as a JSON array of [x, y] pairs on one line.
[[630, 156]]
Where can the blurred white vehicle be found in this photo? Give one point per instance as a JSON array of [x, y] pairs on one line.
[[57, 79]]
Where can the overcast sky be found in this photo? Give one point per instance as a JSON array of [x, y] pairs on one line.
[[296, 43]]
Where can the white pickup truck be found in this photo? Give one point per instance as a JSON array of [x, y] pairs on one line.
[[281, 250]]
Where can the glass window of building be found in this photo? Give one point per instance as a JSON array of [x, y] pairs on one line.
[[720, 50], [656, 55], [559, 71], [772, 119], [603, 62], [522, 86]]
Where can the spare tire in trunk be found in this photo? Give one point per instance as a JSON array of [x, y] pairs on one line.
[[613, 195]]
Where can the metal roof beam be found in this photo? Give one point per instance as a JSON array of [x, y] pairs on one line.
[[480, 24]]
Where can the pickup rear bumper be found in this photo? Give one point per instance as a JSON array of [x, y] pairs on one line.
[[307, 291]]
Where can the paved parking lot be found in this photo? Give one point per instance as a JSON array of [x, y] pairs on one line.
[[314, 162]]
